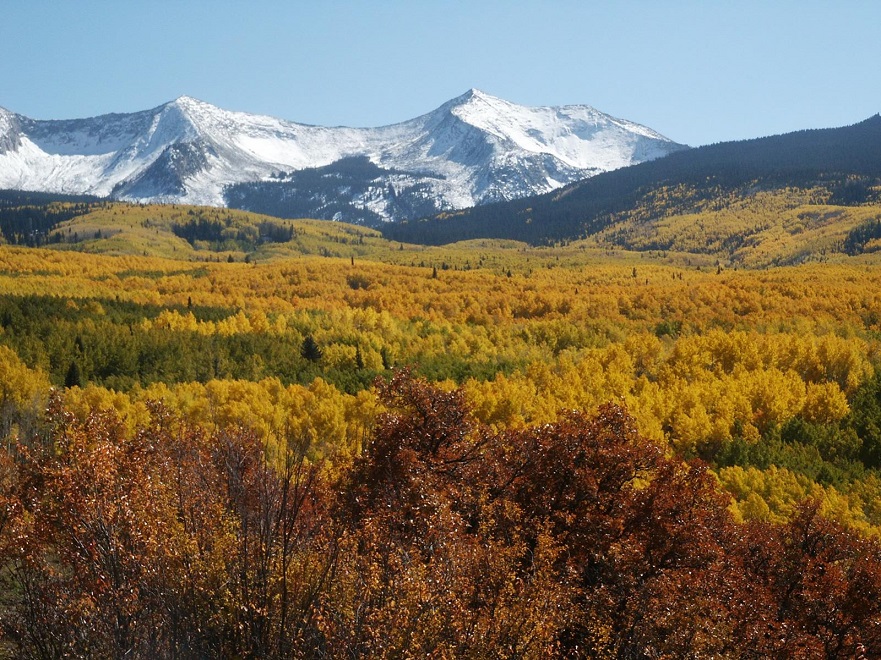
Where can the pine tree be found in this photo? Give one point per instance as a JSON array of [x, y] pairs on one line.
[[74, 377], [310, 350]]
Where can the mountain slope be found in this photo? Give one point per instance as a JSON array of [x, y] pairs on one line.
[[841, 165], [472, 150]]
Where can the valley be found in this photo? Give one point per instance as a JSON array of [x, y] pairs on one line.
[[537, 419], [702, 354]]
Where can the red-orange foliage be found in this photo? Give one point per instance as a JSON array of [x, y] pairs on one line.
[[587, 537], [444, 539], [170, 543]]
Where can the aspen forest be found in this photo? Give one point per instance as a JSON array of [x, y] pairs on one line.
[[226, 435]]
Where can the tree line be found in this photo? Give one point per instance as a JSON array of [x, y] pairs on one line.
[[28, 217]]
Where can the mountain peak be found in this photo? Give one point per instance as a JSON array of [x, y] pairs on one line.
[[185, 100], [189, 104], [471, 96], [477, 94], [474, 149], [189, 117]]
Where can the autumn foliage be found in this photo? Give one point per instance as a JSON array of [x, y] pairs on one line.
[[444, 538]]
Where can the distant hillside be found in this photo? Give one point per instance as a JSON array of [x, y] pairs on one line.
[[26, 218], [842, 166]]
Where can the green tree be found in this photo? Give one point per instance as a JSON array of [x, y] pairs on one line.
[[74, 376], [310, 349]]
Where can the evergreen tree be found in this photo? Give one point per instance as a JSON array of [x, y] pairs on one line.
[[310, 350], [74, 377]]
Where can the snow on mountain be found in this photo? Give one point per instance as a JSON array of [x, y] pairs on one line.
[[471, 150], [10, 138]]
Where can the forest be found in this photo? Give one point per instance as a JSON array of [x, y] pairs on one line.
[[229, 435]]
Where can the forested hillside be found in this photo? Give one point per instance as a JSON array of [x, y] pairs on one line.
[[839, 166], [281, 438], [26, 218]]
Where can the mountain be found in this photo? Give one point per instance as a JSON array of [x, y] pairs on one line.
[[474, 149], [836, 166]]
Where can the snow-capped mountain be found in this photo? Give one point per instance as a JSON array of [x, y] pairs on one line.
[[473, 149]]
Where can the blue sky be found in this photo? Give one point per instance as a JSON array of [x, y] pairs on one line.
[[698, 72]]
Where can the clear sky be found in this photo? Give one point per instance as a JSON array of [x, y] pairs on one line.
[[698, 72]]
